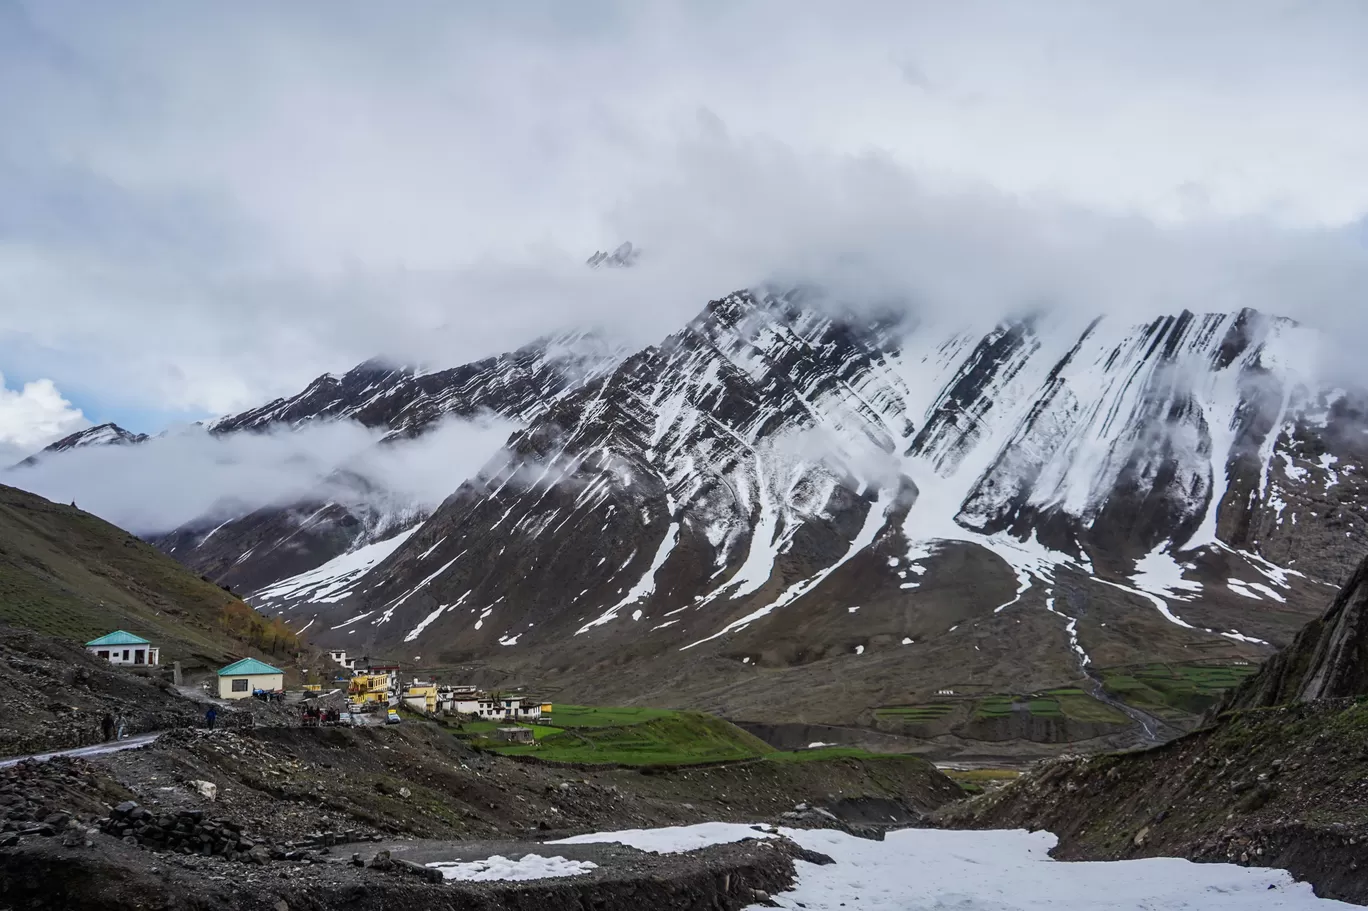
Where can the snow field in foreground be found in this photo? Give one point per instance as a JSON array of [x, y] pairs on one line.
[[916, 869], [532, 866]]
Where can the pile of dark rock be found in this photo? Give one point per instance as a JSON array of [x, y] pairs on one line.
[[192, 832], [46, 799]]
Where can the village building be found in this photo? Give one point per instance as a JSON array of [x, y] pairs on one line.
[[515, 735], [448, 696], [500, 706], [370, 688], [122, 647], [421, 696], [242, 678], [340, 656]]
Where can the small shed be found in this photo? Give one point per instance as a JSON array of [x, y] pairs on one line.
[[515, 735], [239, 679], [122, 647]]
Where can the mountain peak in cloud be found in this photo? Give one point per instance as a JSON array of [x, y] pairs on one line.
[[625, 255]]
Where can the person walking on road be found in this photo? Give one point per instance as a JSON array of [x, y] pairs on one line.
[[107, 727], [210, 717]]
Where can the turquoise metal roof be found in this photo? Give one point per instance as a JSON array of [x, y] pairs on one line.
[[118, 637], [247, 667]]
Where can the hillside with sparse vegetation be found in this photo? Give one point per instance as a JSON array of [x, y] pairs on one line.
[[69, 574]]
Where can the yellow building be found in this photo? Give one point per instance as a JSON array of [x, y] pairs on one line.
[[421, 696], [242, 678], [369, 689]]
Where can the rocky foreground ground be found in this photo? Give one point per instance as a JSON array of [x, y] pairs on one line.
[[327, 818]]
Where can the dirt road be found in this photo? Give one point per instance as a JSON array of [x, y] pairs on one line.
[[98, 749]]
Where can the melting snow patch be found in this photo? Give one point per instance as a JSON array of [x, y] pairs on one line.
[[331, 581], [851, 610], [673, 839], [1238, 637], [859, 649], [991, 871], [907, 641], [509, 640], [530, 866], [358, 617], [1160, 574]]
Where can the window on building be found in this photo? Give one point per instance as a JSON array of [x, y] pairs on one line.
[[103, 654], [125, 657], [240, 686], [139, 657]]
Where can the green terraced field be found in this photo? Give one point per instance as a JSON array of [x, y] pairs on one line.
[[586, 716], [1066, 702], [670, 738], [930, 711], [1174, 691]]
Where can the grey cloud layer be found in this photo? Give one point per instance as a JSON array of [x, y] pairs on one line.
[[208, 207], [189, 475]]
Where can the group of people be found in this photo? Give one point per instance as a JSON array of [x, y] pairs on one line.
[[314, 716], [114, 728]]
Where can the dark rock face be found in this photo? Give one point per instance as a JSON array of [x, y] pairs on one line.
[[1327, 660]]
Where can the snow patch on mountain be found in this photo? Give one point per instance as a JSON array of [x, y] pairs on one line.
[[331, 582]]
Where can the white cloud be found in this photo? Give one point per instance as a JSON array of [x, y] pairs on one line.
[[32, 417], [167, 482], [206, 207]]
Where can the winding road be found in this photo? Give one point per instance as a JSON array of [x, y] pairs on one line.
[[96, 749]]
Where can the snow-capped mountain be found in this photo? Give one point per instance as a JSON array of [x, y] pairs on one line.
[[99, 435], [819, 496], [787, 507], [350, 512]]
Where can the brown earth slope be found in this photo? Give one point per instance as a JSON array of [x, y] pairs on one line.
[[71, 575]]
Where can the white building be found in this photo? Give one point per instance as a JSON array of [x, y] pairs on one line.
[[484, 705], [242, 678], [121, 647], [340, 656]]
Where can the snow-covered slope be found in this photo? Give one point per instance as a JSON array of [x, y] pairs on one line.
[[778, 484], [99, 435]]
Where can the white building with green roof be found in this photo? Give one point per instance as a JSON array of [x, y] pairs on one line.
[[122, 647], [242, 678]]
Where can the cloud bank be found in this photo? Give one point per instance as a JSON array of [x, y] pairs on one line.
[[207, 207], [191, 475]]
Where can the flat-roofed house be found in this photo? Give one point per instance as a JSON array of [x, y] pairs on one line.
[[242, 678], [122, 647]]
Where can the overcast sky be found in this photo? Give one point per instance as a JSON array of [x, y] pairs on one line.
[[203, 206]]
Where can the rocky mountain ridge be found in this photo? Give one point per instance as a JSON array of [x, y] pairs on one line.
[[786, 494]]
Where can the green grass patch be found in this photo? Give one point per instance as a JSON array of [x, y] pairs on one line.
[[930, 711], [485, 729], [1175, 690], [994, 707], [823, 754], [674, 738], [586, 716], [68, 574], [1065, 702]]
